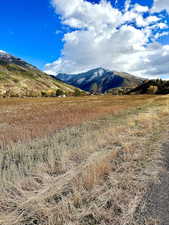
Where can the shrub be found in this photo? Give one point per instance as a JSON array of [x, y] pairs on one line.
[[59, 92], [77, 92], [48, 93], [152, 89]]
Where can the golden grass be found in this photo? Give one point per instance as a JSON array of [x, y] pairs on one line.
[[93, 173], [27, 119]]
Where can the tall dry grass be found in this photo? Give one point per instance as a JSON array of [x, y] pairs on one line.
[[94, 173]]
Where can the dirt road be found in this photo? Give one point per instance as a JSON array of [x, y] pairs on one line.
[[155, 207]]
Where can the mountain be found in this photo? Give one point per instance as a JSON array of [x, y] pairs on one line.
[[100, 80], [157, 86], [19, 78]]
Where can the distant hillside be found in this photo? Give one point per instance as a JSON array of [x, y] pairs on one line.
[[100, 80], [19, 78], [152, 87]]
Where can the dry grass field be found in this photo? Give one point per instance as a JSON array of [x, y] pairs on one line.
[[78, 161], [25, 119]]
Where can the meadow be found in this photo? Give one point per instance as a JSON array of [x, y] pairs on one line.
[[29, 118], [79, 160]]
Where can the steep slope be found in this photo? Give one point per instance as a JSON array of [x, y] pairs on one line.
[[19, 78], [100, 80]]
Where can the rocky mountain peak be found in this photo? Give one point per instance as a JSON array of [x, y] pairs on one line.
[[6, 58], [101, 78]]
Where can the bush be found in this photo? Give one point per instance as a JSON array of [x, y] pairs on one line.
[[48, 93], [152, 89], [77, 92], [59, 92]]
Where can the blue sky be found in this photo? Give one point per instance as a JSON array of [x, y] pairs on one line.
[[34, 30], [28, 30]]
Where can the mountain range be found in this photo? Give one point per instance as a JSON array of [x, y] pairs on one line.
[[19, 78], [100, 80]]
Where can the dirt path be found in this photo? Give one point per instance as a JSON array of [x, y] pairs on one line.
[[154, 210]]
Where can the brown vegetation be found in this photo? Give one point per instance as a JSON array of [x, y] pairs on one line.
[[28, 118], [89, 174]]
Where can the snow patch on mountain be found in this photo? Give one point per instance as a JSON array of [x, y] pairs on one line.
[[80, 80], [3, 52], [100, 77]]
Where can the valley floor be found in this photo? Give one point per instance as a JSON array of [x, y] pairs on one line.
[[81, 161], [29, 118]]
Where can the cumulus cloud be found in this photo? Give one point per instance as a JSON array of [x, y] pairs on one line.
[[104, 36], [140, 8], [160, 5]]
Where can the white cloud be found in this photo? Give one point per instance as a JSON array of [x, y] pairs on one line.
[[106, 38], [152, 19], [65, 8], [160, 5], [127, 5], [140, 8], [156, 61]]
